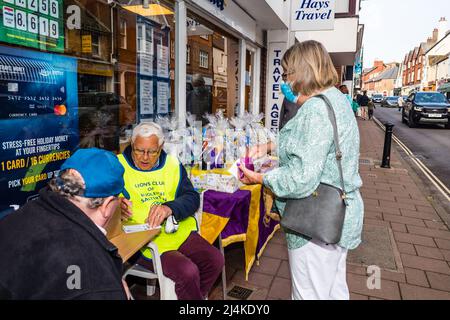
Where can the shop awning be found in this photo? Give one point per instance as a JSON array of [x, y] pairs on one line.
[[444, 87], [26, 70]]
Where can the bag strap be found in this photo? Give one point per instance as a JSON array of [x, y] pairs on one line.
[[332, 117]]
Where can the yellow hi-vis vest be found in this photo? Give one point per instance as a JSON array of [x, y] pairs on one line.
[[148, 188]]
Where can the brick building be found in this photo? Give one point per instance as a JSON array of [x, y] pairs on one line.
[[371, 73], [413, 64]]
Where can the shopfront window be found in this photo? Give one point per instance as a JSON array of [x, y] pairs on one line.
[[80, 73], [73, 74]]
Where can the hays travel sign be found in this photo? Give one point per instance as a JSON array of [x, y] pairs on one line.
[[309, 15]]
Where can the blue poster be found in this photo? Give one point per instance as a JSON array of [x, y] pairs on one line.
[[38, 121]]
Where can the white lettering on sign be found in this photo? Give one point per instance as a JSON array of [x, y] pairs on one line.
[[308, 15], [74, 17], [274, 96]]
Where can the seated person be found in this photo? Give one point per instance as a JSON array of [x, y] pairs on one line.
[[55, 247], [160, 188]]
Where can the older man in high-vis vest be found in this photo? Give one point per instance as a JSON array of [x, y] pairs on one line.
[[159, 188]]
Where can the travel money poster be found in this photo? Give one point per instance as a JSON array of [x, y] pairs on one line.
[[33, 23], [38, 121]]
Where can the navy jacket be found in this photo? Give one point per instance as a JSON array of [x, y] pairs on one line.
[[49, 246], [187, 200]]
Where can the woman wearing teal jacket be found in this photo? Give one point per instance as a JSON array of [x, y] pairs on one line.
[[307, 158]]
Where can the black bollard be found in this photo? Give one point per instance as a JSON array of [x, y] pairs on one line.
[[386, 163]]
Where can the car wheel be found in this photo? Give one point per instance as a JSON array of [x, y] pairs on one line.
[[447, 126], [403, 116], [411, 122]]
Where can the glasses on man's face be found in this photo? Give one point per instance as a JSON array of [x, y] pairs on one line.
[[150, 153]]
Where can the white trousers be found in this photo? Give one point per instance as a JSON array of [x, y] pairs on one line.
[[318, 272]]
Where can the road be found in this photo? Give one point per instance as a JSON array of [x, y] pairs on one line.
[[430, 143]]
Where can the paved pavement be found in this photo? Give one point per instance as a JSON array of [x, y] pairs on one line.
[[414, 254]]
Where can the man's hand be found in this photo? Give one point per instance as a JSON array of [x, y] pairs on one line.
[[157, 215], [126, 208]]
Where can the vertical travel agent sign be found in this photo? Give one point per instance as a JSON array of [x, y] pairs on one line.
[[38, 121], [33, 23], [311, 15], [275, 101]]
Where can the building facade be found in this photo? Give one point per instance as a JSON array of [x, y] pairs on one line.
[[369, 74], [385, 82], [436, 66], [416, 64]]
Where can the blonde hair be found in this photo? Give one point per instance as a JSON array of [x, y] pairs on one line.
[[311, 67]]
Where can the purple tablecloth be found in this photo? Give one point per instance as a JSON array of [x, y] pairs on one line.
[[238, 217]]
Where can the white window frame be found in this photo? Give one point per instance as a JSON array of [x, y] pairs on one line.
[[123, 34], [204, 59], [141, 40], [96, 45], [140, 37], [188, 54]]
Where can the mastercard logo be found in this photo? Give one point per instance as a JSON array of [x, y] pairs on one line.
[[60, 110]]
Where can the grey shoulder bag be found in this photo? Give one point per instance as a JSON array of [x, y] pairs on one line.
[[321, 215]]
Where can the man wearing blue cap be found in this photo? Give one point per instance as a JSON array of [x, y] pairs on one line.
[[56, 247]]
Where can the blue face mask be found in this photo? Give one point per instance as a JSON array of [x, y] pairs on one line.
[[286, 89]]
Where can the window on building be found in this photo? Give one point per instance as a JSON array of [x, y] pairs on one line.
[[140, 38], [96, 44], [148, 40], [172, 49], [123, 33], [204, 58], [144, 38], [188, 54]]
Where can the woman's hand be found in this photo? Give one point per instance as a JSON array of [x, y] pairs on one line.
[[250, 177]]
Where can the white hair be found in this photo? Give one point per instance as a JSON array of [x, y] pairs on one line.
[[148, 129]]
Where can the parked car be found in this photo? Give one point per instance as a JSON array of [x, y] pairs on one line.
[[377, 97], [390, 102], [426, 107]]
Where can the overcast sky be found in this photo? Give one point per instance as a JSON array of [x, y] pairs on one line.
[[393, 27]]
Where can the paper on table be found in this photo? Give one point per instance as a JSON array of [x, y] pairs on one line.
[[234, 169], [138, 228]]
